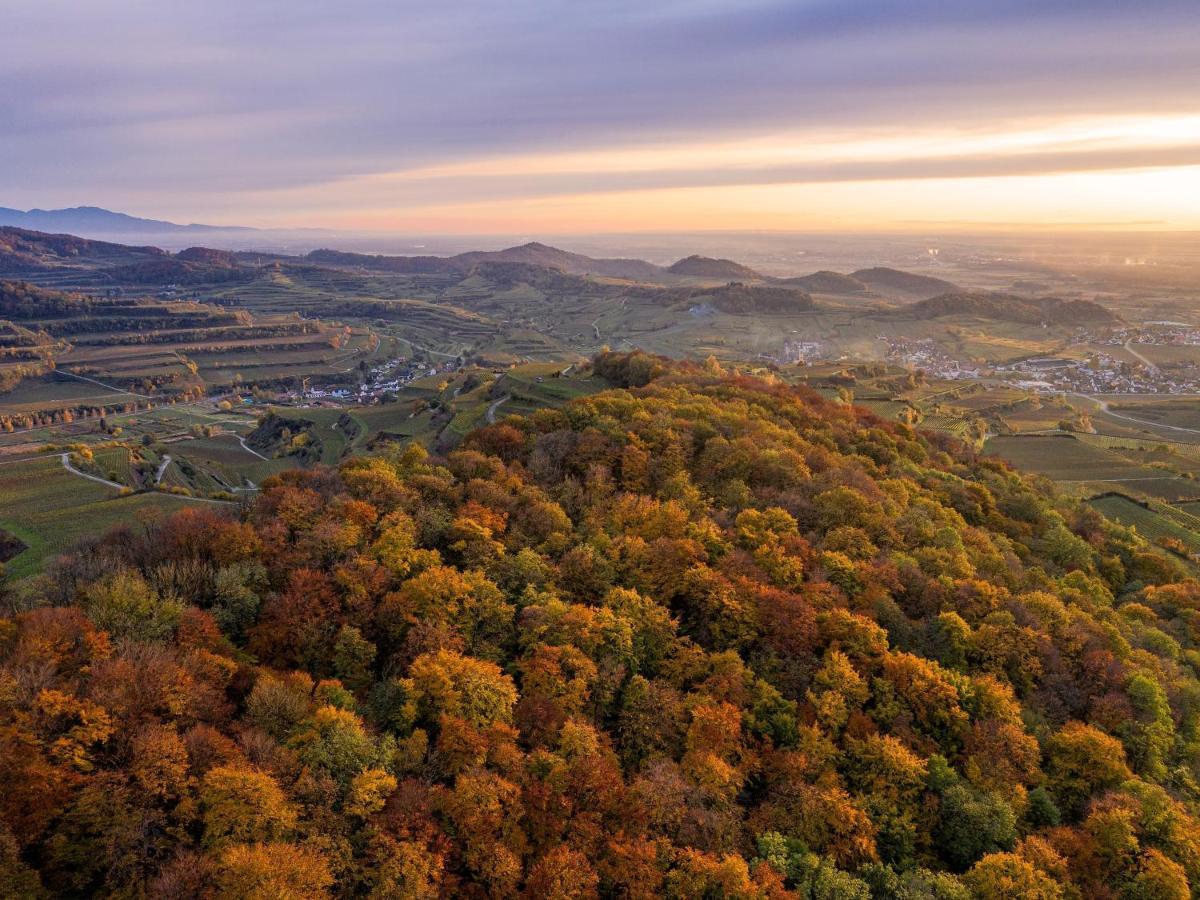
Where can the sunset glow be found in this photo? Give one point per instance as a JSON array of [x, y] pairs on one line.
[[716, 115]]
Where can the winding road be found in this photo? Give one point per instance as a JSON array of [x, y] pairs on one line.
[[1107, 410], [491, 410], [248, 448], [162, 467], [66, 461]]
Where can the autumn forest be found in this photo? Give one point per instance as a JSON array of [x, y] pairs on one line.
[[699, 635]]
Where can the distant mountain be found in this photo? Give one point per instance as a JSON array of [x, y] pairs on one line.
[[886, 279], [533, 254], [707, 267], [94, 220], [1010, 308], [538, 254], [827, 283]]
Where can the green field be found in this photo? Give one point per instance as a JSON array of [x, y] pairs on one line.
[[1065, 458], [1150, 523], [50, 509]]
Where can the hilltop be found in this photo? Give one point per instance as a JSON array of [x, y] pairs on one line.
[[697, 635], [1010, 308], [826, 282], [883, 278], [531, 254], [706, 267], [22, 250]]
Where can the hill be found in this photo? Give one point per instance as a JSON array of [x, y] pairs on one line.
[[1010, 308], [825, 282], [706, 267], [743, 298], [532, 254], [883, 278], [22, 250], [94, 219], [698, 636], [537, 254]]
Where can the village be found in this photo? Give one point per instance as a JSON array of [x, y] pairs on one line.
[[1097, 373]]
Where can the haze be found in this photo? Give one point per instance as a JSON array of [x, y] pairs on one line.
[[586, 117]]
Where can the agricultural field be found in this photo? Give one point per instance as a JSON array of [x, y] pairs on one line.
[[1179, 415], [49, 508], [1155, 524], [1081, 466]]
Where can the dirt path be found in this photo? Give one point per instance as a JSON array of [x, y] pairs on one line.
[[66, 461], [248, 448], [103, 385], [162, 467], [491, 410], [1149, 365], [1107, 410]]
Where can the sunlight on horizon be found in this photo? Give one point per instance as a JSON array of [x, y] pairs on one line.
[[1078, 172]]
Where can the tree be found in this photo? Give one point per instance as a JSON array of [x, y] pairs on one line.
[[240, 805], [335, 741], [562, 874], [263, 871], [1082, 760], [1005, 876], [353, 656], [448, 683], [126, 606]]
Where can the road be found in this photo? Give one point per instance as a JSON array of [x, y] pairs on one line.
[[103, 385], [162, 467], [491, 410], [1149, 365], [66, 461], [248, 448], [1104, 407]]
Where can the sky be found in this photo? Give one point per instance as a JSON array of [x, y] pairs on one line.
[[590, 116]]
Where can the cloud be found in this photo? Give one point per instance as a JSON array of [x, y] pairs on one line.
[[172, 104]]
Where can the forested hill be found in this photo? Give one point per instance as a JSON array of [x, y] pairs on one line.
[[703, 636]]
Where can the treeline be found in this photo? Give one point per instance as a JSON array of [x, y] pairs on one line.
[[10, 422], [14, 336], [703, 636]]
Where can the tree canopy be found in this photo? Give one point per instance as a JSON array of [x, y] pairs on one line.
[[701, 635]]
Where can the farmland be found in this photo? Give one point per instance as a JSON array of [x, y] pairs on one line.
[[48, 508], [204, 373]]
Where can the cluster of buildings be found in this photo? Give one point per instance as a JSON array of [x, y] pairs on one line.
[[380, 380], [802, 352], [1165, 333], [926, 355], [1101, 374]]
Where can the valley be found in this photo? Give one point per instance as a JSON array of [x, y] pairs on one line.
[[158, 373]]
